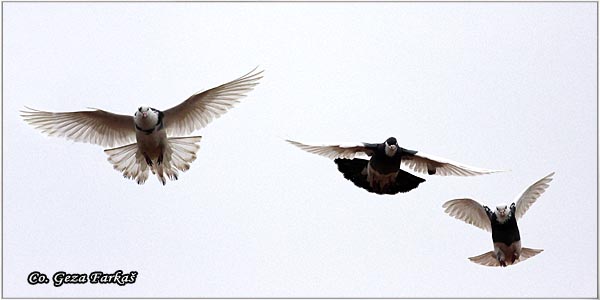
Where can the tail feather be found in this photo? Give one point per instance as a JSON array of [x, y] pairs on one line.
[[528, 253], [178, 154], [486, 259], [183, 151], [159, 171], [489, 258], [129, 161]]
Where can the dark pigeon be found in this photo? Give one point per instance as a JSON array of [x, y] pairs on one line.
[[502, 223], [381, 174]]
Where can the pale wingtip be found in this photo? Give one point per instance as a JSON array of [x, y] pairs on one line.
[[28, 110], [285, 139], [292, 142], [26, 107], [449, 202], [254, 73]]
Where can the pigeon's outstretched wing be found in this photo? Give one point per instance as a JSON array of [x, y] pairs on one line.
[[96, 126], [200, 109], [470, 211], [531, 194], [489, 259], [429, 164], [335, 151]]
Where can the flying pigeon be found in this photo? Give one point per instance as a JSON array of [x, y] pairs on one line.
[[157, 145], [381, 174], [502, 223]]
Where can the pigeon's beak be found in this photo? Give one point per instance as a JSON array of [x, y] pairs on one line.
[[144, 114]]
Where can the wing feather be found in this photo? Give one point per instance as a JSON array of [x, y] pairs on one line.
[[469, 211], [334, 151], [429, 164], [531, 194], [201, 108], [95, 127]]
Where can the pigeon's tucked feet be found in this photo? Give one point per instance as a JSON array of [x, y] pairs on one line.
[[160, 159], [502, 263], [148, 160]]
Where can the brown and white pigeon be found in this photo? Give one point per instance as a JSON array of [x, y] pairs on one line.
[[157, 145], [502, 223]]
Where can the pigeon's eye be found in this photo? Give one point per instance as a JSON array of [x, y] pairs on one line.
[[140, 109]]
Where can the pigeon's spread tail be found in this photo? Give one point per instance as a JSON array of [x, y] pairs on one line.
[[355, 170], [489, 259], [178, 154]]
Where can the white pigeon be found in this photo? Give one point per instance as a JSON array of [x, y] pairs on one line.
[[157, 146], [502, 223]]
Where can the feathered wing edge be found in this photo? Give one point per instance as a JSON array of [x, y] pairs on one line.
[[179, 153], [202, 108], [334, 151], [469, 211], [531, 194], [432, 165], [95, 126]]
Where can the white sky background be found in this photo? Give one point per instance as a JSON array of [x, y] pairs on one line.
[[493, 85]]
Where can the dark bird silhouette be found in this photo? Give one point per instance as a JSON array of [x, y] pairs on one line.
[[381, 174]]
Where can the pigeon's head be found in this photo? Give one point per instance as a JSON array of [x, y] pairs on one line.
[[502, 213], [146, 117], [391, 146]]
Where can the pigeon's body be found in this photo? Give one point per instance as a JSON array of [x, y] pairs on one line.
[[155, 149], [381, 173], [152, 145], [382, 162], [506, 232], [150, 134], [505, 235], [502, 223]]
